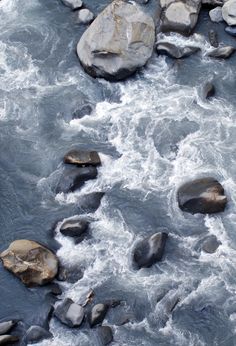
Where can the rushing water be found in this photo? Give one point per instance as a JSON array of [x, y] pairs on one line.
[[153, 132]]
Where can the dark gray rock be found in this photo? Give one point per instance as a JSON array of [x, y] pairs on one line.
[[82, 158], [229, 12], [73, 4], [85, 109], [211, 244], [174, 51], [205, 196], [222, 52], [69, 274], [216, 15], [74, 228], [6, 326], [69, 313], [85, 16], [118, 42], [208, 90], [231, 30], [105, 335], [150, 250], [213, 38], [97, 314], [90, 202], [8, 339], [74, 178], [212, 3], [55, 289], [36, 334]]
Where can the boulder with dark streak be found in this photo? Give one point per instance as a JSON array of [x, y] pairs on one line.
[[36, 334], [105, 335], [82, 158], [8, 339], [175, 51], [69, 313], [213, 38], [6, 326], [222, 52], [97, 314], [150, 250], [212, 3], [73, 4], [205, 196], [74, 227]]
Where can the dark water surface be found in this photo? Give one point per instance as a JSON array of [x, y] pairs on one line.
[[153, 132]]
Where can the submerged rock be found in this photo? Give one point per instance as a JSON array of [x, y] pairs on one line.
[[33, 263], [74, 228], [231, 30], [175, 51], [222, 52], [118, 42], [69, 313], [8, 339], [36, 334], [82, 158], [85, 109], [213, 38], [85, 16], [6, 326], [69, 274], [150, 250], [216, 15], [211, 244], [73, 4], [208, 90], [105, 335], [205, 196], [97, 314], [90, 202], [229, 12]]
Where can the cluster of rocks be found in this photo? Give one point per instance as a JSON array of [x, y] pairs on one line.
[[84, 15], [5, 328]]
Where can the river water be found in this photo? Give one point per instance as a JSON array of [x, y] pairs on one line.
[[154, 132]]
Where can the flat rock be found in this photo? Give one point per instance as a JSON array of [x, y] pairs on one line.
[[105, 335], [82, 158], [205, 196], [150, 250], [69, 313], [73, 4], [85, 16], [118, 42], [31, 262], [231, 30], [211, 244], [97, 314], [175, 51], [74, 228], [8, 339], [36, 334], [6, 326], [216, 15], [222, 52], [229, 12]]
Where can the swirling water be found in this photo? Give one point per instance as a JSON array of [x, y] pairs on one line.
[[154, 132]]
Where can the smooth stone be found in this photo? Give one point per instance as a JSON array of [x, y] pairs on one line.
[[6, 326], [150, 250], [73, 4], [174, 51], [118, 42], [31, 262], [231, 30], [97, 314], [82, 158], [36, 334], [8, 339], [85, 16], [222, 52], [216, 15], [74, 178], [205, 196], [71, 275], [69, 313], [213, 38], [105, 335], [211, 244], [90, 202], [208, 90], [85, 109], [229, 12], [74, 228]]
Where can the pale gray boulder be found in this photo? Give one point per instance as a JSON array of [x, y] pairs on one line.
[[229, 12], [175, 51], [216, 15], [73, 4], [118, 42], [85, 16], [222, 52], [69, 313]]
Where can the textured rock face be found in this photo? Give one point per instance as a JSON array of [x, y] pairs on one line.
[[229, 12], [175, 51], [33, 263], [205, 196], [118, 42]]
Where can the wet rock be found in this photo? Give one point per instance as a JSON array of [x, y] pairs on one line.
[[174, 51], [85, 109], [69, 274], [216, 15], [8, 339], [222, 52], [231, 30], [208, 90], [31, 262], [205, 196], [229, 12], [212, 3], [213, 38], [105, 335], [82, 158], [211, 244], [180, 16], [97, 314], [150, 250], [73, 4], [74, 178], [90, 202], [55, 289], [85, 16], [69, 313], [36, 334], [118, 42], [6, 326], [74, 228]]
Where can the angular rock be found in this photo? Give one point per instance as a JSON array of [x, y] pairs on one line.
[[74, 178], [6, 326], [118, 42], [208, 90], [174, 51], [229, 12], [36, 334], [90, 202], [82, 158], [211, 244], [231, 30], [105, 335], [222, 52], [73, 4], [69, 313], [213, 38], [8, 339], [85, 109], [97, 314], [216, 15], [150, 250], [31, 262], [205, 196], [74, 228], [85, 16]]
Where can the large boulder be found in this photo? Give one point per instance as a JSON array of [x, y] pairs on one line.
[[205, 196], [175, 51], [118, 42], [69, 313], [150, 250], [216, 14], [82, 158], [229, 12], [33, 263]]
